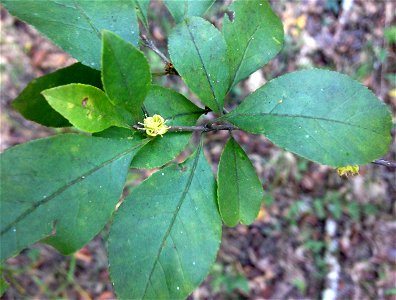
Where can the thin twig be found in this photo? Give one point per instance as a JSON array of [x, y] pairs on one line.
[[210, 127], [150, 44], [383, 162], [195, 128]]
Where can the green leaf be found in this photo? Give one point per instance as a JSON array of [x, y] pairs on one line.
[[198, 51], [65, 187], [119, 133], [239, 189], [33, 106], [3, 286], [184, 8], [126, 74], [177, 110], [143, 7], [323, 116], [390, 291], [86, 107], [165, 236], [253, 37], [75, 25], [390, 34]]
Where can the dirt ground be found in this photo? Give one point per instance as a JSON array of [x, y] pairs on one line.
[[318, 236]]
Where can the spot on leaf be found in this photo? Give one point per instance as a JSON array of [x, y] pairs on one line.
[[84, 101]]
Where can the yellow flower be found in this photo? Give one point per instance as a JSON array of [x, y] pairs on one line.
[[348, 170], [154, 125]]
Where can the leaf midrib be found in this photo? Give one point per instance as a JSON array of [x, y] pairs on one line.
[[176, 212], [67, 186], [204, 68], [243, 56], [82, 13], [87, 18], [302, 117], [236, 178], [124, 79]]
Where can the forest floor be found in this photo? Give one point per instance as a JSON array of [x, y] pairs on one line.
[[313, 224]]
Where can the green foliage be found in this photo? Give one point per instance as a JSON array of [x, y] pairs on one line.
[[126, 74], [251, 43], [33, 106], [78, 202], [165, 236], [142, 8], [75, 25], [3, 286], [239, 189], [390, 34], [228, 281], [178, 110], [300, 285], [185, 8], [390, 292], [333, 120], [86, 107], [165, 254], [198, 51]]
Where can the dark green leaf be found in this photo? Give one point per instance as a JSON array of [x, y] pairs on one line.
[[33, 106], [239, 189], [86, 107], [166, 234], [184, 8], [253, 37], [323, 116], [119, 133], [177, 110], [126, 74], [75, 25], [198, 51], [64, 186]]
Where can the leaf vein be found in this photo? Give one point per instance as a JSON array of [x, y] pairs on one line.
[[65, 187], [243, 56], [83, 13], [204, 68], [172, 222], [303, 117]]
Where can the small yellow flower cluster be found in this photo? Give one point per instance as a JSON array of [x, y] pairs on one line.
[[348, 170], [154, 125]]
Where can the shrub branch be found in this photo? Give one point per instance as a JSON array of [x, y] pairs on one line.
[[150, 44]]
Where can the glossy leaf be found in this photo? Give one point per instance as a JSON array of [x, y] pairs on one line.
[[239, 189], [253, 37], [323, 116], [126, 74], [177, 110], [64, 186], [184, 8], [86, 107], [165, 236], [198, 51], [75, 25], [33, 106]]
